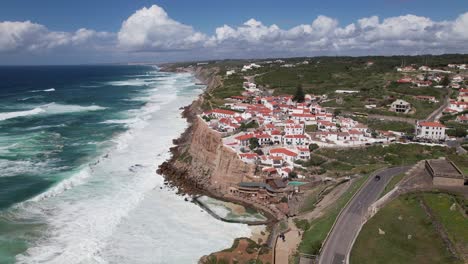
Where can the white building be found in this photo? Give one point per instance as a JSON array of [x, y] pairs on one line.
[[294, 129], [400, 106], [295, 140], [430, 130]]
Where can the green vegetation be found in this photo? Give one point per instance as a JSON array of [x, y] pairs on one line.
[[311, 128], [232, 85], [456, 129], [461, 161], [393, 155], [376, 124], [393, 182], [342, 162], [314, 160], [311, 199], [299, 96], [245, 126], [302, 224], [410, 236], [253, 143], [313, 238], [448, 212]]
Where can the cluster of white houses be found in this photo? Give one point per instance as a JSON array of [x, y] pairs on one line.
[[274, 132], [460, 104]]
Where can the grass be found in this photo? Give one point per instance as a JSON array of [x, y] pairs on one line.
[[400, 219], [393, 182], [313, 238], [391, 155], [311, 199], [461, 161], [311, 128], [390, 125], [451, 218]]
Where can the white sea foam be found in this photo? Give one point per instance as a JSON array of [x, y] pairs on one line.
[[9, 168], [132, 82], [110, 213], [45, 90], [10, 115], [52, 108]]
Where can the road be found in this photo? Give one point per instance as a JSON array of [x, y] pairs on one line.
[[436, 114], [341, 239]]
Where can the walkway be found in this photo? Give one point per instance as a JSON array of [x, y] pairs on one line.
[[285, 249]]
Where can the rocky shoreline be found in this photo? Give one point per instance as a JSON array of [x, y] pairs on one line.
[[180, 175], [177, 176]]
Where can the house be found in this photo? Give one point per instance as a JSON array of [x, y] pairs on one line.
[[230, 72], [458, 106], [462, 119], [248, 157], [424, 68], [295, 140], [276, 136], [220, 113], [304, 153], [400, 106], [430, 130], [323, 125], [287, 154], [308, 119], [406, 69], [457, 79], [243, 140], [462, 95], [263, 138], [405, 80], [426, 98], [227, 124], [294, 129]]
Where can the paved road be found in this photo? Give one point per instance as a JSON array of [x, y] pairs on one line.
[[438, 112], [339, 243]]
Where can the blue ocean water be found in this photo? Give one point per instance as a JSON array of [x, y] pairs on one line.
[[79, 147], [53, 119]]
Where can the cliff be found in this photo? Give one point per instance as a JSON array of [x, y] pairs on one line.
[[200, 162]]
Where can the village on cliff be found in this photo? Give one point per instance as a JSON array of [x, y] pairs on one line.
[[277, 134]]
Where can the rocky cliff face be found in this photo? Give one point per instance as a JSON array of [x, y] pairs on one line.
[[200, 162], [211, 158]]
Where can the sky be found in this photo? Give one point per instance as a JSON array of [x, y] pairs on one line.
[[109, 31]]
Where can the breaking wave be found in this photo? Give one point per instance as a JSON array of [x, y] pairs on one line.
[[52, 108]]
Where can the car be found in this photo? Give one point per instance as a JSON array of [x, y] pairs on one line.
[[377, 178]]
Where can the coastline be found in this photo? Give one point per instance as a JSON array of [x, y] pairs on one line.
[[178, 176]]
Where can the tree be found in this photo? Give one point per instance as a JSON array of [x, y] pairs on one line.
[[337, 112], [293, 175], [313, 147], [299, 96], [445, 81], [253, 143]]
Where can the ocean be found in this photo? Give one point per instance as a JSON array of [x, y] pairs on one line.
[[79, 149]]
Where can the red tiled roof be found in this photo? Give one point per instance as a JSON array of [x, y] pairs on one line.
[[283, 151], [276, 132], [222, 111], [295, 136], [248, 155], [431, 124], [244, 137]]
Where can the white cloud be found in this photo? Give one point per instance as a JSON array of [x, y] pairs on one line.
[[151, 29], [28, 36]]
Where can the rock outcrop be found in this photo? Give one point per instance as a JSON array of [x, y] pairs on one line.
[[200, 162]]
